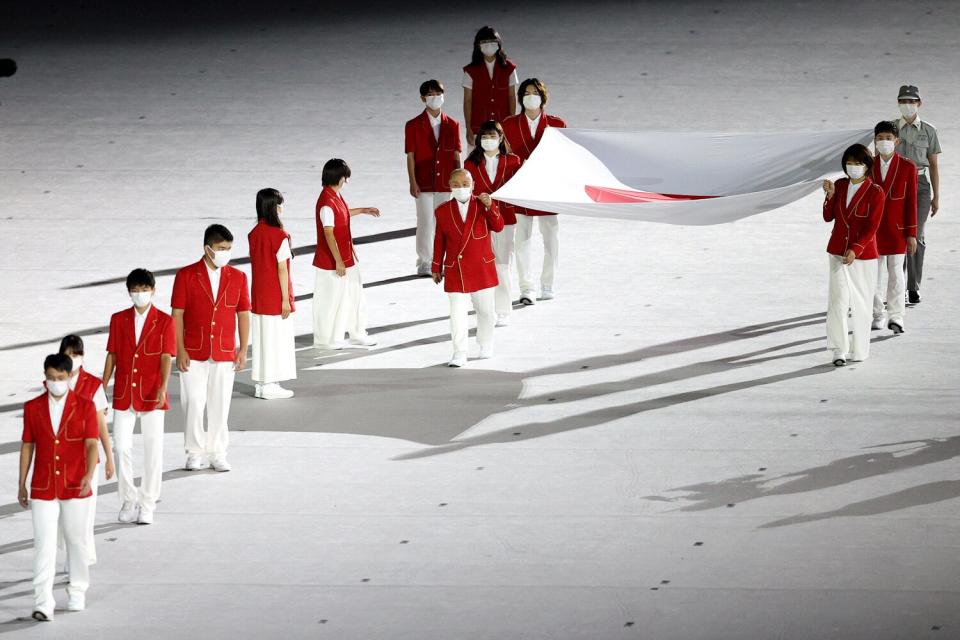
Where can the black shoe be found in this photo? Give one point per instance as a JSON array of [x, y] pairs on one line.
[[913, 297], [40, 616], [895, 327], [525, 301]]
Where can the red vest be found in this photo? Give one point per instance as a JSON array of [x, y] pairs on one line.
[[60, 458], [210, 321], [266, 297], [507, 165], [491, 96], [900, 206], [464, 248], [87, 384], [137, 378], [433, 159], [323, 258], [517, 132], [854, 226]]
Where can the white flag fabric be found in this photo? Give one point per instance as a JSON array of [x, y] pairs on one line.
[[676, 178]]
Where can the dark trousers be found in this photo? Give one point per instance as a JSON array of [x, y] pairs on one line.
[[914, 263]]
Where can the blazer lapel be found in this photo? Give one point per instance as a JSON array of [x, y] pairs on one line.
[[468, 225], [67, 410], [224, 279], [454, 209], [541, 126], [204, 278], [148, 324], [857, 197], [426, 123], [45, 416], [891, 174]]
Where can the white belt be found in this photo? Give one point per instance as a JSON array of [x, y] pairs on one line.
[[922, 171]]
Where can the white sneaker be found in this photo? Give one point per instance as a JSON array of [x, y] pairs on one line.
[[257, 390], [77, 603], [877, 323], [458, 360], [503, 321], [485, 354], [219, 463], [273, 391], [128, 512], [196, 463], [547, 294], [365, 341], [146, 517]]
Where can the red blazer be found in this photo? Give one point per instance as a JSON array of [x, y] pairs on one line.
[[854, 227], [210, 322], [517, 131], [900, 206], [138, 378], [491, 96], [433, 159], [60, 458], [464, 249], [323, 257], [87, 385], [507, 165], [266, 297]]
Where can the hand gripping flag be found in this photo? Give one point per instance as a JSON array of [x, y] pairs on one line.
[[676, 178]]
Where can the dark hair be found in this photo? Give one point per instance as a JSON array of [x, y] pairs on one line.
[[333, 171], [216, 233], [490, 126], [540, 87], [72, 343], [488, 33], [58, 362], [141, 278], [430, 85], [886, 126], [859, 153], [268, 200]]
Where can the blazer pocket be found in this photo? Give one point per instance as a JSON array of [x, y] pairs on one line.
[[192, 339], [490, 259], [903, 193], [864, 209], [73, 427], [42, 475], [73, 474], [227, 341], [233, 296], [152, 345]]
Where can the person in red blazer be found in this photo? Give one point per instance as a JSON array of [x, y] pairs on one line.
[[60, 437], [88, 386], [211, 306], [432, 145], [897, 235], [523, 132], [274, 357], [488, 83], [463, 259], [491, 167], [855, 207], [140, 351]]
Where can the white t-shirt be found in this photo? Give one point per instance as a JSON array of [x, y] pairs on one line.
[[327, 218], [99, 398], [435, 124], [214, 280], [284, 253], [534, 124], [468, 80], [139, 319], [464, 208], [852, 191], [56, 410], [492, 163]]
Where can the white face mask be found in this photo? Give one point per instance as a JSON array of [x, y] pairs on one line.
[[57, 387], [908, 109], [885, 147], [532, 101], [856, 171], [462, 194], [434, 102], [489, 49], [221, 258], [490, 144], [77, 363], [141, 298]]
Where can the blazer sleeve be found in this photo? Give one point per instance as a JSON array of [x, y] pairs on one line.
[[27, 427], [910, 204], [244, 304], [170, 338], [439, 245], [91, 428], [112, 335], [178, 299], [494, 219], [869, 229], [829, 207], [456, 134], [409, 144]]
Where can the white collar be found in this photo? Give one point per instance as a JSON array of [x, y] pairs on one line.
[[145, 312], [886, 162], [901, 122], [56, 400], [434, 121], [537, 119]]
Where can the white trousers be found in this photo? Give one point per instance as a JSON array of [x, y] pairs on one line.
[[483, 304], [48, 517], [91, 522], [338, 307], [427, 203], [851, 288], [151, 427], [891, 286], [274, 355], [550, 231], [503, 248], [206, 387]]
